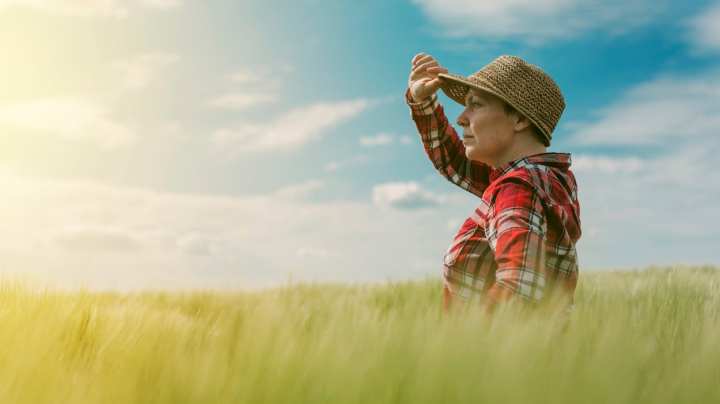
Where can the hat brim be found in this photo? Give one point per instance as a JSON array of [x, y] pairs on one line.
[[456, 88]]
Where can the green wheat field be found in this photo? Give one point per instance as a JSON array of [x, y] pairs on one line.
[[650, 336]]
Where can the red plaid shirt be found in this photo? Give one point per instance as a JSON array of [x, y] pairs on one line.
[[520, 241]]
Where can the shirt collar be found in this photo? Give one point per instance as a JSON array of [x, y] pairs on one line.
[[559, 160]]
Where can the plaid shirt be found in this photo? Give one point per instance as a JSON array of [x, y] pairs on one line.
[[520, 241]]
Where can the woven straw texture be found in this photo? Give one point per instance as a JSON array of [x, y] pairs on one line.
[[525, 87]]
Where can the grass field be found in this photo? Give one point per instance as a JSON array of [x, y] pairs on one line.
[[649, 336]]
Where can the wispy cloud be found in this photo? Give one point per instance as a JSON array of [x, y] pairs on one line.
[[636, 212], [705, 29], [405, 195], [161, 4], [197, 244], [122, 235], [301, 191], [98, 239], [304, 253], [240, 101], [377, 140], [384, 139], [89, 117], [140, 71], [538, 21], [88, 8], [668, 109], [294, 129], [263, 77], [71, 117], [91, 8], [250, 88], [666, 198], [338, 164], [606, 164], [245, 77]]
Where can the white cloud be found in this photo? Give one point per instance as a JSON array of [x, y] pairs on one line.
[[142, 69], [309, 252], [538, 21], [161, 4], [96, 239], [336, 165], [91, 8], [245, 77], [262, 78], [240, 101], [127, 238], [660, 112], [88, 118], [378, 140], [197, 244], [705, 29], [258, 86], [453, 224], [301, 191], [606, 164], [656, 207], [173, 128], [87, 8], [294, 129], [660, 213], [404, 195], [71, 117]]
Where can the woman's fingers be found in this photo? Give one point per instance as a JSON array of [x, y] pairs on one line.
[[425, 65], [423, 81], [417, 57], [437, 69], [422, 59]]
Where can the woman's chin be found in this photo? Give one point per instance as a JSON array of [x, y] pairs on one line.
[[472, 153]]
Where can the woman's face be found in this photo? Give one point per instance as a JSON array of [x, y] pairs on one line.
[[488, 131]]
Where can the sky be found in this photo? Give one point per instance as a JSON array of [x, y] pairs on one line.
[[218, 144]]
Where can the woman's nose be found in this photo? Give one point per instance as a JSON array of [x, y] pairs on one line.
[[461, 120]]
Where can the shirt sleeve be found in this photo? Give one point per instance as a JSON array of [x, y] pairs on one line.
[[444, 148], [517, 234]]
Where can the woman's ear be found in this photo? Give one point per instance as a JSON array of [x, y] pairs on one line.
[[521, 123]]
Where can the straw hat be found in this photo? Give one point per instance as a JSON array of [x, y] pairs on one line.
[[526, 87]]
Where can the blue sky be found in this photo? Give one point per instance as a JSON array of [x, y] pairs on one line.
[[161, 144]]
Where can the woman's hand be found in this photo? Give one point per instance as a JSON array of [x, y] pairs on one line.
[[424, 80]]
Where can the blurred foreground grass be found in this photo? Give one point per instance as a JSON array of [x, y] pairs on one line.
[[649, 336]]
